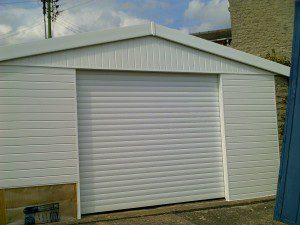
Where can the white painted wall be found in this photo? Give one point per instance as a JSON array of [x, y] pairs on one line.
[[38, 126], [146, 54], [251, 138]]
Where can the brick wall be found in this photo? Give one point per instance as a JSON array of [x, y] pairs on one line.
[[258, 26]]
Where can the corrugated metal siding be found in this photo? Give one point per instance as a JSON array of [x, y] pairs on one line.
[[251, 135], [148, 139], [38, 133], [147, 53]]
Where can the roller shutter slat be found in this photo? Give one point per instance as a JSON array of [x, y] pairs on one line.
[[148, 142], [138, 175], [148, 138], [153, 148]]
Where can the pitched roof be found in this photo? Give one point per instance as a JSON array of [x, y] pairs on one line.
[[150, 29]]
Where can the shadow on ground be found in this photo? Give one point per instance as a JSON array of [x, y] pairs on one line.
[[255, 214]]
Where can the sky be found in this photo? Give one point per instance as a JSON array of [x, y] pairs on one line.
[[22, 20]]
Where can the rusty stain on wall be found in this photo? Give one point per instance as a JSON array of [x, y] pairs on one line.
[[15, 200]]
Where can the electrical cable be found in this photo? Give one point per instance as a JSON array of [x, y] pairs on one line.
[[77, 5], [68, 28], [18, 31], [11, 3], [68, 25], [2, 39], [75, 27]]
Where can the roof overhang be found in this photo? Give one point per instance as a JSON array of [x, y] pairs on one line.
[[100, 37]]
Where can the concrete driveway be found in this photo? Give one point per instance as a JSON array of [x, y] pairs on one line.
[[260, 213]]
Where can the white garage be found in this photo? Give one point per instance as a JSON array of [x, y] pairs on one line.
[[138, 116]]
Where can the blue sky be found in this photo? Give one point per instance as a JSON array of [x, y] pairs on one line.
[[22, 20]]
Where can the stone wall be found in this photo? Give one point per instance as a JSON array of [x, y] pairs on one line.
[[258, 26], [281, 89]]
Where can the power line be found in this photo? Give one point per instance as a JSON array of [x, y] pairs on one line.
[[66, 3], [54, 12], [66, 24], [22, 30], [18, 31], [10, 3], [67, 27], [54, 9], [62, 22], [76, 27], [77, 5], [62, 25], [72, 24]]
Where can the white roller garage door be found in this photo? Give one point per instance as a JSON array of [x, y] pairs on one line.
[[148, 139]]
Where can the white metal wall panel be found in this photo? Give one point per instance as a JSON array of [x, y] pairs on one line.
[[146, 53], [251, 135], [148, 139], [38, 134]]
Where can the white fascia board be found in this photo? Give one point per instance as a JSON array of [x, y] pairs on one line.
[[73, 41], [100, 37], [220, 50]]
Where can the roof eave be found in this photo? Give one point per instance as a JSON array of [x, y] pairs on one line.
[[220, 50], [100, 37], [73, 41]]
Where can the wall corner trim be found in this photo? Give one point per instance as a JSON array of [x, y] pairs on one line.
[[223, 139], [77, 146]]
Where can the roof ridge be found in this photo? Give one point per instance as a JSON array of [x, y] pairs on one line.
[[153, 28]]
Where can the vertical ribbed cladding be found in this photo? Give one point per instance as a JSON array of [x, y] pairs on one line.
[[149, 53]]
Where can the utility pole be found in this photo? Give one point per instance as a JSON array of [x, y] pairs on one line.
[[49, 18], [51, 8], [44, 13]]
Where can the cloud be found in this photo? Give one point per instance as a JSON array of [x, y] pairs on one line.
[[208, 15], [21, 25], [4, 29], [185, 30], [194, 8], [26, 24], [205, 26], [23, 34], [98, 18], [145, 5]]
